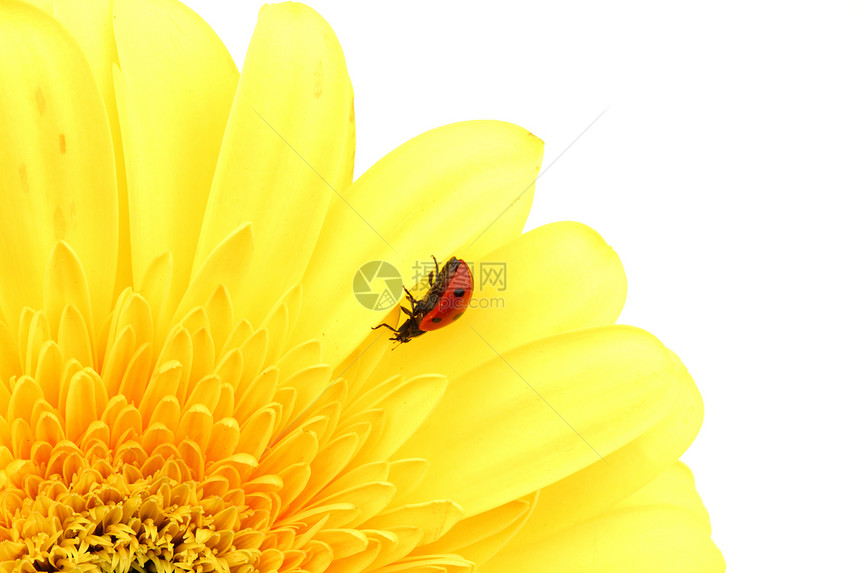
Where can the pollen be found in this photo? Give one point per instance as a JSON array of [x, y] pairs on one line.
[[67, 508]]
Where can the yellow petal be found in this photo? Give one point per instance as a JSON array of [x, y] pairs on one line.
[[25, 393], [346, 167], [81, 405], [663, 527], [300, 357], [73, 338], [203, 351], [484, 549], [370, 472], [675, 487], [56, 161], [253, 354], [225, 266], [258, 394], [370, 498], [598, 487], [276, 326], [357, 562], [49, 371], [164, 382], [406, 475], [21, 438], [229, 370], [282, 149], [327, 464], [219, 309], [224, 438], [507, 224], [178, 348], [309, 383], [46, 6], [361, 362], [117, 359], [430, 564], [554, 278], [428, 197], [240, 333], [405, 407], [66, 284], [155, 287], [541, 412], [91, 25], [9, 362], [343, 542], [134, 312], [256, 432], [37, 333], [435, 518], [139, 368], [196, 424], [174, 84], [206, 392], [395, 542], [166, 412], [479, 537]]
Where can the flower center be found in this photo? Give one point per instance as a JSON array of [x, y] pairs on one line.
[[202, 445], [122, 516]]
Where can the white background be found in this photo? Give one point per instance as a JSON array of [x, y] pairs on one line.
[[724, 173]]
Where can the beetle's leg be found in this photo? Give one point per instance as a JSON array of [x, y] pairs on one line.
[[408, 312], [391, 328], [410, 297], [435, 262]]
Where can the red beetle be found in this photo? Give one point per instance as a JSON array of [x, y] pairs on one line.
[[445, 302]]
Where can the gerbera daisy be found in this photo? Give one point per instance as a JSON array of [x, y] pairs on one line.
[[189, 382]]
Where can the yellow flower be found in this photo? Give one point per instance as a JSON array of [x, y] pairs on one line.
[[188, 380]]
